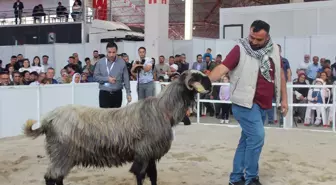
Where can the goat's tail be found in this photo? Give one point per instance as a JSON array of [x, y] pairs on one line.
[[28, 129]]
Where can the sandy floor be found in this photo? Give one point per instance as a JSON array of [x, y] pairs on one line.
[[201, 155]]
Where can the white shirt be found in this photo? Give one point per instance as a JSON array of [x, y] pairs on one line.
[[25, 69], [38, 69]]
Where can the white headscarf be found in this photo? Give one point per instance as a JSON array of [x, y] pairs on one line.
[[74, 76]]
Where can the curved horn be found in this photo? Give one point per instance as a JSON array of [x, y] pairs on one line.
[[186, 81]]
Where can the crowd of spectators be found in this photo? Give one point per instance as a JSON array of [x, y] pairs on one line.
[[22, 71]]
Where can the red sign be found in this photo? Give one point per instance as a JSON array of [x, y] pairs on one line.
[[101, 10], [152, 1], [164, 1]]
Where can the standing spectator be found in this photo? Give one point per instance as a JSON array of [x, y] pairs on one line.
[[18, 9], [89, 69], [95, 58], [143, 71], [208, 53], [111, 74], [313, 69], [286, 66], [13, 61], [162, 70], [304, 65], [45, 63], [224, 94]]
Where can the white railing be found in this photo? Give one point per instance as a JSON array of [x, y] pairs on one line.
[[288, 120], [19, 103]]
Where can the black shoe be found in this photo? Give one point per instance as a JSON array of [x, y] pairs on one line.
[[242, 182], [255, 181]]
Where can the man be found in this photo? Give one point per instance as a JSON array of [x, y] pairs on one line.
[[143, 71], [50, 76], [111, 73], [4, 79], [304, 65], [199, 65], [18, 9], [285, 66], [161, 70], [45, 63], [313, 69], [128, 64], [184, 64], [256, 77]]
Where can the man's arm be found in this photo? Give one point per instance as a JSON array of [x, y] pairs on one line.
[[283, 87], [97, 75], [148, 65], [229, 63], [126, 80]]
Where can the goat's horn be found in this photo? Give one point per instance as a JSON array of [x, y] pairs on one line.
[[187, 79]]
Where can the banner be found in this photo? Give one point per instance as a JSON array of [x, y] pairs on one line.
[[101, 11]]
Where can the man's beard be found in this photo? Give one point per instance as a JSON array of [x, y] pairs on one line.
[[256, 47]]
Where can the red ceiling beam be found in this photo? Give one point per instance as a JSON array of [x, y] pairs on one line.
[[217, 5]]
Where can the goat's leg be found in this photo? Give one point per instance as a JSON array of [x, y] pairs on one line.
[[152, 172], [139, 170], [56, 172]]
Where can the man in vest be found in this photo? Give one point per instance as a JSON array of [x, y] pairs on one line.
[[256, 77]]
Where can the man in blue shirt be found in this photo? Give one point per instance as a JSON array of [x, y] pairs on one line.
[[313, 69]]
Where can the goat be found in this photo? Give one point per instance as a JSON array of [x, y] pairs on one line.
[[140, 132]]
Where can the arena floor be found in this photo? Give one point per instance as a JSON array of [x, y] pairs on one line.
[[200, 155]]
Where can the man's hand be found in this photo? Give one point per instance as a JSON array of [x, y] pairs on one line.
[[284, 108], [112, 80], [129, 98], [135, 66]]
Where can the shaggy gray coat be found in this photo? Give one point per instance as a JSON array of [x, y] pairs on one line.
[[79, 135]]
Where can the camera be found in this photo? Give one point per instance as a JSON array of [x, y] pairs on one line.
[[138, 69]]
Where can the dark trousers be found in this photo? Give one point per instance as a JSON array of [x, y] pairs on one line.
[[110, 99], [186, 120], [226, 107]]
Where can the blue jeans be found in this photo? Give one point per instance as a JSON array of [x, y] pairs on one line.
[[250, 144]]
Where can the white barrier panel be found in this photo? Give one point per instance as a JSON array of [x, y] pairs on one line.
[[19, 103]]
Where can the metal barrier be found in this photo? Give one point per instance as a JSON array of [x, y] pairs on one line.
[[288, 120]]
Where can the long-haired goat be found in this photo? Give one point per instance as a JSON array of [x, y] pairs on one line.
[[140, 132]]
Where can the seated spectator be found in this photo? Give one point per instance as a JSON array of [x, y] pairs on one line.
[[34, 76], [76, 78], [4, 79], [50, 76], [1, 69], [10, 72], [62, 11], [17, 78], [162, 70], [26, 66], [71, 69], [26, 78], [76, 11], [84, 78], [300, 96], [36, 66], [38, 13]]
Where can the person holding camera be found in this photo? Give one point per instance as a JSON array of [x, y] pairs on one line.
[[142, 69], [111, 73]]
